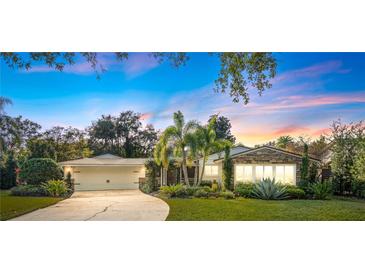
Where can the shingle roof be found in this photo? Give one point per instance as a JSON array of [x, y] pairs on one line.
[[105, 160]]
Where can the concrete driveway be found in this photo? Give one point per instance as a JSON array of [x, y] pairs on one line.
[[111, 205]]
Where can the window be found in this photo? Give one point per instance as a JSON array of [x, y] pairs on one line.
[[284, 174], [244, 173], [211, 170]]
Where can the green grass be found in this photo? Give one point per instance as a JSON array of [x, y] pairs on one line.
[[13, 206], [261, 210]]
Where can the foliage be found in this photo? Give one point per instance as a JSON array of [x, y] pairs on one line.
[[267, 189], [173, 191], [348, 150], [244, 190], [28, 190], [207, 183], [3, 102], [304, 168], [8, 171], [122, 135], [313, 173], [321, 190], [176, 138], [227, 169], [222, 127], [283, 142], [227, 195], [215, 187], [201, 193], [358, 189], [55, 188], [239, 71], [151, 176], [242, 70], [68, 181], [295, 192], [40, 170]]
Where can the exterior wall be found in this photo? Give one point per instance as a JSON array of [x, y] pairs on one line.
[[269, 156]]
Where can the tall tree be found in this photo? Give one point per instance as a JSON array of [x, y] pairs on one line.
[[123, 135], [304, 169], [222, 127], [209, 143], [227, 168], [177, 136], [239, 71]]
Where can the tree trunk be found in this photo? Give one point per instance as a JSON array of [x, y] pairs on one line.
[[196, 174], [203, 168], [185, 169]]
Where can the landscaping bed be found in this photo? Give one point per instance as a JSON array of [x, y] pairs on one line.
[[13, 206]]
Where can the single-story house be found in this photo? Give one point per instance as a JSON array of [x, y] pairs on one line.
[[250, 165], [105, 172], [254, 164]]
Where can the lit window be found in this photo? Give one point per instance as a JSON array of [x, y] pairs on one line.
[[279, 174], [289, 174], [268, 172], [211, 170], [259, 173], [247, 174], [239, 173]]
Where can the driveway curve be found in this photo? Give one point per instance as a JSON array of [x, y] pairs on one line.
[[111, 205]]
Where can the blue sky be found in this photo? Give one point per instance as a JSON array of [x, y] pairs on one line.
[[310, 91]]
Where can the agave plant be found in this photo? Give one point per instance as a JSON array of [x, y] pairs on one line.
[[267, 189]]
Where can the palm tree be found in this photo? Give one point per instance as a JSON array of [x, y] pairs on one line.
[[208, 143], [161, 156], [178, 137], [284, 141], [3, 102]]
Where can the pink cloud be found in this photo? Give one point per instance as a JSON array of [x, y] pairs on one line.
[[146, 116]]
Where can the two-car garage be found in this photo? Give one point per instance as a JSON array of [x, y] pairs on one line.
[[105, 172]]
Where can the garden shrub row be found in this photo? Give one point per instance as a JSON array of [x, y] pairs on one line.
[[54, 188]]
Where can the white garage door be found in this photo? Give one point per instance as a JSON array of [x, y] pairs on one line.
[[104, 178]]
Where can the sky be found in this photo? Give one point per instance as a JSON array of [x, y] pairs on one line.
[[309, 91]]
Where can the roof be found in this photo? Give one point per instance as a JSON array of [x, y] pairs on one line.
[[267, 147], [234, 150], [105, 160]]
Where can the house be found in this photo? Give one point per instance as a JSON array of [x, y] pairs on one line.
[[254, 164], [105, 172], [250, 165]]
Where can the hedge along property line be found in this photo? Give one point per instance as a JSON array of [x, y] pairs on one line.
[[40, 170]]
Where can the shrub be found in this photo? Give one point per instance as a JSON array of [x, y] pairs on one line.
[[173, 191], [55, 188], [295, 192], [227, 195], [206, 183], [28, 190], [201, 193], [8, 167], [244, 190], [145, 188], [68, 180], [215, 187], [321, 190], [267, 189], [358, 189], [40, 170]]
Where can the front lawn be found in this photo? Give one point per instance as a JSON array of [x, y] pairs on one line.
[[13, 206], [260, 210]]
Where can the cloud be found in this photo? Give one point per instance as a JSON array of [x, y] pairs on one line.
[[139, 63], [313, 71], [146, 116]]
